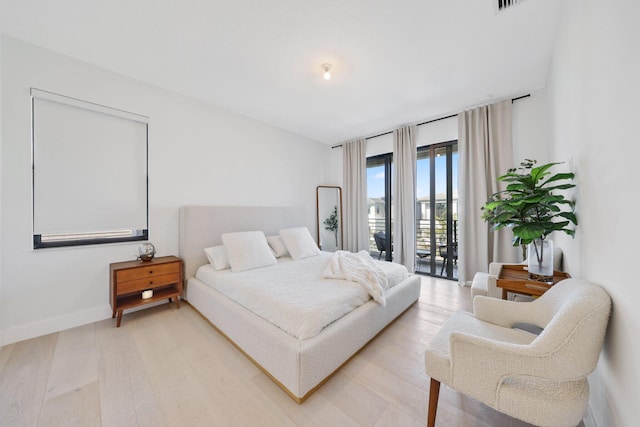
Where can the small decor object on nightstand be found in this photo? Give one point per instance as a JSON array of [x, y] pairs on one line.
[[146, 252]]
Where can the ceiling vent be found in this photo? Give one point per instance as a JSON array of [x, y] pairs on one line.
[[506, 4]]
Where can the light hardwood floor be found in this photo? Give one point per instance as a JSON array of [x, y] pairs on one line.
[[169, 367]]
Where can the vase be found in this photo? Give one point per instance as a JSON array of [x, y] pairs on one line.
[[540, 260], [146, 252]]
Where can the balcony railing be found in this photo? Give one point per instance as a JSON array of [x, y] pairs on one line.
[[423, 233], [423, 243]]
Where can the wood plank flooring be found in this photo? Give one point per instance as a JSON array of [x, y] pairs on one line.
[[169, 367]]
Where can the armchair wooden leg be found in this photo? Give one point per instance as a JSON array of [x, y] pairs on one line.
[[434, 391]]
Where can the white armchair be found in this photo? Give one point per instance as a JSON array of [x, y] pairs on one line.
[[485, 283], [540, 379]]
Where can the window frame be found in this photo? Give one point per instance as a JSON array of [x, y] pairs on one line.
[[89, 237], [431, 149], [385, 160]]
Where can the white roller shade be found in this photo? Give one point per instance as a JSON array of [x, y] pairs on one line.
[[89, 167]]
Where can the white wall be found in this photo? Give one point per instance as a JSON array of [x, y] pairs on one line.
[[529, 128], [594, 118], [198, 154]]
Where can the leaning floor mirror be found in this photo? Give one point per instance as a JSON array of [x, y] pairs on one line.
[[329, 208]]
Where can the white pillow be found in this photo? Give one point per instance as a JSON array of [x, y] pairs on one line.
[[299, 243], [247, 250], [277, 246], [217, 257]]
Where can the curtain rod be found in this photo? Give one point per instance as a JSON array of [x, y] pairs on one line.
[[429, 121]]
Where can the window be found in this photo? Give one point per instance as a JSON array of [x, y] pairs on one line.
[[89, 172]]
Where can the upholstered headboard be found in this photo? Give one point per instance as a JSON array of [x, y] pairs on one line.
[[202, 226]]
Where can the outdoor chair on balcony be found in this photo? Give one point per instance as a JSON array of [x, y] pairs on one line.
[[445, 255], [381, 242]]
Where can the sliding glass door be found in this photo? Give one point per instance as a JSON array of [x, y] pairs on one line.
[[379, 206], [437, 210]]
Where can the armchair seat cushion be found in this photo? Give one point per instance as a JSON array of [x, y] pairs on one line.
[[438, 354]]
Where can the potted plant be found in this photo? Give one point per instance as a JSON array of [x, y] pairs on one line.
[[331, 223], [531, 209]]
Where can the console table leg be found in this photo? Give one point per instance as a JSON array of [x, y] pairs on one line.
[[119, 318]]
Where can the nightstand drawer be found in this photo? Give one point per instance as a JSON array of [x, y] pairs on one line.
[[148, 271], [147, 283]]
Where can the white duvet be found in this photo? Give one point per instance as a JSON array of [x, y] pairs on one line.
[[293, 295], [360, 268]]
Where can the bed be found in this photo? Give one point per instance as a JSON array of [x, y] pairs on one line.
[[298, 366]]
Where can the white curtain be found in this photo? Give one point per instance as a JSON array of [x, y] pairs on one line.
[[354, 173], [484, 141], [404, 196]]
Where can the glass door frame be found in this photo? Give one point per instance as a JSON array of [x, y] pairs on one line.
[[385, 160], [448, 145]]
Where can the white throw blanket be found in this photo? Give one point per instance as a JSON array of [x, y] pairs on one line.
[[359, 268]]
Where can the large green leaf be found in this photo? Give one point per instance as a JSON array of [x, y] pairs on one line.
[[541, 171], [529, 231], [559, 187], [570, 216], [503, 217], [559, 177], [516, 187]]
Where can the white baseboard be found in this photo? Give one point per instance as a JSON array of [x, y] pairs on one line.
[[54, 324], [61, 323]]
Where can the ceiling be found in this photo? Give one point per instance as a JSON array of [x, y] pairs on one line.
[[394, 62]]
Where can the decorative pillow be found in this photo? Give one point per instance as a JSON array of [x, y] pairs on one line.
[[217, 257], [299, 243], [247, 250], [277, 246]]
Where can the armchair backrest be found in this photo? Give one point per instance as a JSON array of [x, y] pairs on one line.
[[574, 314]]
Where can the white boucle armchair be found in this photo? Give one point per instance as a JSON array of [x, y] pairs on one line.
[[540, 379]]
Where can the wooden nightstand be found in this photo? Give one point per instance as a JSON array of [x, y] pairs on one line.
[[128, 279]]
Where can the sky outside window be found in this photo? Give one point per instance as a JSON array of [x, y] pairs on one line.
[[375, 177]]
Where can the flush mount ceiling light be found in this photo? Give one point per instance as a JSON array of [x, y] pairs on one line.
[[327, 71]]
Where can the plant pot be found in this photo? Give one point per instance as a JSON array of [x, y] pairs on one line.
[[540, 260]]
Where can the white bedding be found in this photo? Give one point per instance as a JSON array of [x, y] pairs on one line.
[[293, 295], [360, 268]]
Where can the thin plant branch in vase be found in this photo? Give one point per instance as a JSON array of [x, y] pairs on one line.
[[331, 223], [530, 206]]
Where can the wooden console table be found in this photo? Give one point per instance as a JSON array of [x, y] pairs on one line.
[[515, 278]]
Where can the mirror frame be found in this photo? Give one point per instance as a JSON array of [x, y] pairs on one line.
[[319, 222]]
